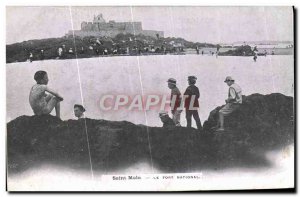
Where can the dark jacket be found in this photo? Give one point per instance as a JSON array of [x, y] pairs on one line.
[[191, 90]]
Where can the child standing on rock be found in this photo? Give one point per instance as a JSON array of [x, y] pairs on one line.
[[191, 103], [175, 101]]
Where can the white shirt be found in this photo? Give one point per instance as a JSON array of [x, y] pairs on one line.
[[235, 93]]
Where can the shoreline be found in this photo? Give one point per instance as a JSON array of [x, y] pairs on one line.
[[157, 54]]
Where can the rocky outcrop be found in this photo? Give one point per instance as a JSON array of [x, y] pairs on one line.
[[19, 52], [262, 123], [239, 51]]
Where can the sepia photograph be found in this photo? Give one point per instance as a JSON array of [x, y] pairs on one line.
[[150, 98]]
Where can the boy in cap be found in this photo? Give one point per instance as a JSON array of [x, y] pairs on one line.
[[166, 120], [192, 95], [175, 101], [232, 103], [42, 99], [79, 111]]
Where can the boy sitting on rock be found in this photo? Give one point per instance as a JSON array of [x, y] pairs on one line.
[[232, 103], [166, 120], [42, 99]]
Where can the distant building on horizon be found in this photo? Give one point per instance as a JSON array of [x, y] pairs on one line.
[[99, 27]]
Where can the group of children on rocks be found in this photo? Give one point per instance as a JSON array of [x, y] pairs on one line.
[[43, 100], [191, 104]]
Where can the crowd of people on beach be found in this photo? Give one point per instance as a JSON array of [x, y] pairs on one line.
[[106, 46], [63, 51], [43, 100], [97, 48]]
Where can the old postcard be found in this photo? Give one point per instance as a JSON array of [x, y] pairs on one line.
[[149, 98]]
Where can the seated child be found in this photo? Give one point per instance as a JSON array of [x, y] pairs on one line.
[[166, 120], [42, 99]]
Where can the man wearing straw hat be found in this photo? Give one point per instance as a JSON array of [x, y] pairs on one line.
[[175, 101], [232, 103]]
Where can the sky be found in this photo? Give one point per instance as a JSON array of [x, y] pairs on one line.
[[197, 24]]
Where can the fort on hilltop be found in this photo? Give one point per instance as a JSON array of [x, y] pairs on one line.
[[99, 27]]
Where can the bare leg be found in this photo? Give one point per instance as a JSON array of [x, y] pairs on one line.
[[53, 103], [57, 109], [221, 120]]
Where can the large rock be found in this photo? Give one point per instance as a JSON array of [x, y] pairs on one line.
[[261, 123], [264, 120], [239, 51]]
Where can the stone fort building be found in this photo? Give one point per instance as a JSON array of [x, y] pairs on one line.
[[99, 27]]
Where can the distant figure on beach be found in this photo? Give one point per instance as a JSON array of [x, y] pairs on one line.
[[60, 52], [255, 53], [197, 50], [42, 54], [64, 49], [42, 99], [30, 57], [273, 53], [79, 111], [191, 103], [218, 47], [233, 102], [218, 50], [71, 51], [105, 52], [175, 101], [202, 52], [166, 120], [255, 56], [96, 50]]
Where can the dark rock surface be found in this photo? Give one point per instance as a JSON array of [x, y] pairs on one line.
[[262, 123], [239, 51]]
